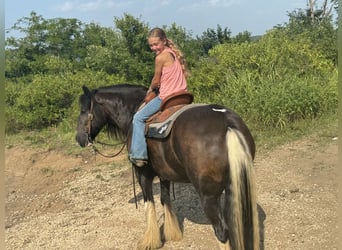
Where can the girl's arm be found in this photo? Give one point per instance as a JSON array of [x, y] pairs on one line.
[[155, 83]]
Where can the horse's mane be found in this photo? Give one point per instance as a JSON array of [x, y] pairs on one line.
[[112, 129], [123, 87], [114, 132]]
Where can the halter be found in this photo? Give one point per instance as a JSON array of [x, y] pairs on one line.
[[90, 119]]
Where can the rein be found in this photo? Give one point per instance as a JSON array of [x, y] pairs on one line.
[[108, 156]]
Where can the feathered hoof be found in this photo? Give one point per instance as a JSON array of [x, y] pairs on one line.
[[171, 228], [151, 244], [173, 234]]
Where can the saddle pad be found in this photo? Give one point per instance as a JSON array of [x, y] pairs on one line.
[[162, 129]]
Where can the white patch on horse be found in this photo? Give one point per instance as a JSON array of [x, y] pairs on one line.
[[219, 110]]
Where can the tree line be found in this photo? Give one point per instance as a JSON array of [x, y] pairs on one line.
[[122, 50], [289, 73]]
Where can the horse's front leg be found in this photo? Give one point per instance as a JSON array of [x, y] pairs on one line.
[[172, 229], [151, 238]]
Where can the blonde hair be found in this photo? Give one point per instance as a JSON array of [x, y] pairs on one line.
[[158, 32]]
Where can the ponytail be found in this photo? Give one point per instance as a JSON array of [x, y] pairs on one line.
[[157, 32], [179, 55]]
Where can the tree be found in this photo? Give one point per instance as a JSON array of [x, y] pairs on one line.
[[105, 49], [317, 25], [64, 38], [138, 65], [135, 34], [320, 14], [21, 52], [314, 15], [183, 39], [211, 38], [242, 37], [61, 38]]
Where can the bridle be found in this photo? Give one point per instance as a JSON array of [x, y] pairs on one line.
[[90, 140], [90, 119]]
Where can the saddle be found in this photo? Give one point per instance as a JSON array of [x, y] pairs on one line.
[[159, 125]]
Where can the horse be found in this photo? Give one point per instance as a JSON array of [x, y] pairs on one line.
[[209, 146]]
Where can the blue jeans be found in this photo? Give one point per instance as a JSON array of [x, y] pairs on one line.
[[138, 148]]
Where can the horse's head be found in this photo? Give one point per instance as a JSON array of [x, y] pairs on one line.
[[87, 127], [111, 106]]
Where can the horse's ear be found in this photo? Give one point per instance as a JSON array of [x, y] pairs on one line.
[[86, 91]]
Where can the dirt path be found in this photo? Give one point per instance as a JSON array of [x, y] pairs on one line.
[[56, 201]]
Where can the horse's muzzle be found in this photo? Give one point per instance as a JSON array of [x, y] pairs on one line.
[[84, 140]]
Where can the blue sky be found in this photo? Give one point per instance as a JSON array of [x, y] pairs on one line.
[[255, 16]]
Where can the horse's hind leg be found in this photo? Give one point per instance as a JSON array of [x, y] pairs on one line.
[[151, 238], [212, 208], [172, 229]]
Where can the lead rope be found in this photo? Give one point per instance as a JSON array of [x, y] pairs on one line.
[[173, 191], [134, 192]]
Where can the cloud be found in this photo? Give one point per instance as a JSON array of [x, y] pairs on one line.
[[86, 6], [205, 4], [66, 7], [164, 2], [223, 3]]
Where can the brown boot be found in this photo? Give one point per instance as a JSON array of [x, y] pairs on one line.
[[138, 162]]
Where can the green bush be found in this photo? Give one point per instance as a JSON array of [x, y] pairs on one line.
[[49, 99], [272, 82]]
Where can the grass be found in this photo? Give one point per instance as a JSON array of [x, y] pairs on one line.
[[323, 127]]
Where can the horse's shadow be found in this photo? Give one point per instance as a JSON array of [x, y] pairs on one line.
[[187, 205]]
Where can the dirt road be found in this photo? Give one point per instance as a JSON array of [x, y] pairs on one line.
[[56, 201]]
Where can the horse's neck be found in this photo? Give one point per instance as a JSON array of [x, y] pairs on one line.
[[120, 108], [121, 116]]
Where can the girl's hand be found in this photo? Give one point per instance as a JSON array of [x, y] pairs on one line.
[[149, 96]]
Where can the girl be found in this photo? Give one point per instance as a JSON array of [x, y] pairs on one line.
[[170, 77]]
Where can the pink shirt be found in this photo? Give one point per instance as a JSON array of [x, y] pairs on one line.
[[172, 79]]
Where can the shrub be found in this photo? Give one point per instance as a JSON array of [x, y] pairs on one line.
[[272, 82], [48, 99]]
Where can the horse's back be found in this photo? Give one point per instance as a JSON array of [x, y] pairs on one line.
[[196, 145], [207, 125]]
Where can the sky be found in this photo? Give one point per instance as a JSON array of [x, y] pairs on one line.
[[196, 16]]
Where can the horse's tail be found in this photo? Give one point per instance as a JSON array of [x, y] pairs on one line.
[[241, 207]]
